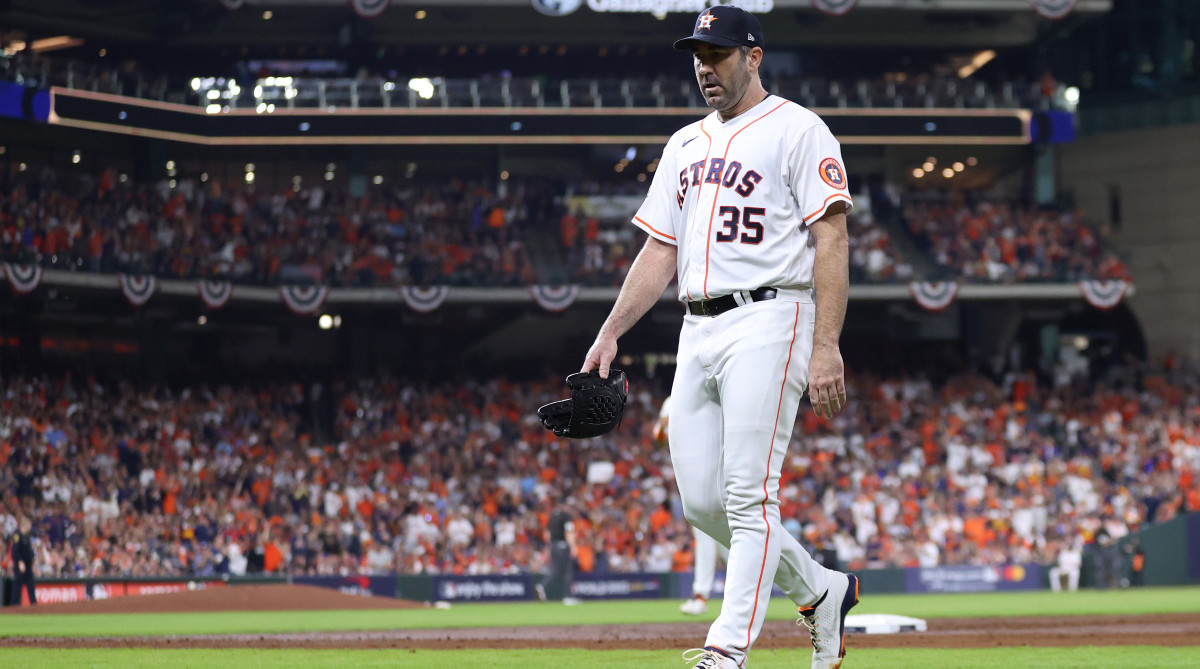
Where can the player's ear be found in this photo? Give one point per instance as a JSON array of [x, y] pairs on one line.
[[755, 56]]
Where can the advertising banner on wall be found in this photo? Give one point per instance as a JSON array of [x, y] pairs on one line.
[[56, 593], [963, 578], [618, 586], [492, 588]]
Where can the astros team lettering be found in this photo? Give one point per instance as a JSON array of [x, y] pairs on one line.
[[720, 173]]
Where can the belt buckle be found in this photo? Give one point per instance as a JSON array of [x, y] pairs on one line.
[[704, 304]]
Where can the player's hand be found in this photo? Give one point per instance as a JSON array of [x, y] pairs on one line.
[[600, 355], [826, 381]]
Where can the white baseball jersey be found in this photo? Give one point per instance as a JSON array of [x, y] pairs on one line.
[[717, 196]]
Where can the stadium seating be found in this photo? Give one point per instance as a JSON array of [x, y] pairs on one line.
[[414, 477]]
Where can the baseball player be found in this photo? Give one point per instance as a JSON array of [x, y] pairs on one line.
[[748, 206], [705, 548]]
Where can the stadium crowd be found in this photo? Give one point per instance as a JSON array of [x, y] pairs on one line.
[[992, 241], [460, 478], [458, 232], [447, 232]]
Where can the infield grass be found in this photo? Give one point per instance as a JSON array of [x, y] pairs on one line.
[[1127, 602], [1027, 658]]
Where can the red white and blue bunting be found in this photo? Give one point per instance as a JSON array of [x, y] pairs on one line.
[[1104, 295], [554, 298], [303, 300], [933, 295], [834, 7], [368, 9], [214, 294], [137, 287], [1053, 9], [24, 279], [424, 299]]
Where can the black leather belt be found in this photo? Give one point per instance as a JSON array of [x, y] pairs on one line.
[[719, 305]]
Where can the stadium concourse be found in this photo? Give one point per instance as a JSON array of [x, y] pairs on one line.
[[453, 478]]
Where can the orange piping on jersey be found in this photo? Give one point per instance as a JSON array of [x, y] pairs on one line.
[[708, 239], [824, 205], [652, 229], [770, 452], [699, 189]]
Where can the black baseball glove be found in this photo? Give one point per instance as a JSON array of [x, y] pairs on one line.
[[594, 408]]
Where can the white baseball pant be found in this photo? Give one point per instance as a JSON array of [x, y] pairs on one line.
[[704, 572], [737, 388]]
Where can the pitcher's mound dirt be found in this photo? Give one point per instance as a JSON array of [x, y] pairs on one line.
[[227, 598]]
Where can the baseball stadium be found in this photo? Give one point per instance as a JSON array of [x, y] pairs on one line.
[[600, 333]]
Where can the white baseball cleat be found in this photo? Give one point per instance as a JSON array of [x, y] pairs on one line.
[[572, 601], [695, 606], [826, 620], [708, 658]]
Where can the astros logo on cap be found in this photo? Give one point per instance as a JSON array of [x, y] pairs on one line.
[[705, 21], [831, 173]]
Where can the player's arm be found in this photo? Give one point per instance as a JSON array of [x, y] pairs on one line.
[[831, 279], [647, 280]]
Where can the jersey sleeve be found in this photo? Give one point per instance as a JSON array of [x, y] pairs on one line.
[[817, 173], [659, 213]]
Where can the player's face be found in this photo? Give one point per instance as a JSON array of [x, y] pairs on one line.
[[723, 74]]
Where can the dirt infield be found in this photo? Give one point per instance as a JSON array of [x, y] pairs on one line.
[[1109, 630], [239, 598]]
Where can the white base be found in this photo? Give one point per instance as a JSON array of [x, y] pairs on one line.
[[883, 623]]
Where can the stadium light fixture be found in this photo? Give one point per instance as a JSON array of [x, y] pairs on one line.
[[928, 166], [948, 173], [1072, 95], [420, 14], [325, 322], [75, 157], [202, 320], [918, 173], [979, 60], [377, 180], [958, 167], [268, 15], [54, 43], [422, 87], [972, 161]]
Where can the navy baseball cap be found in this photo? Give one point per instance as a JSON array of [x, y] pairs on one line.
[[724, 25]]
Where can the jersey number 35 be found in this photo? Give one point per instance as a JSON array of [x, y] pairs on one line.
[[752, 230]]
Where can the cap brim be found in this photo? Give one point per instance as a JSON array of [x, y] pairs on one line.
[[688, 43]]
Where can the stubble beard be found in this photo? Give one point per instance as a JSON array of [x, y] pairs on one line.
[[731, 93]]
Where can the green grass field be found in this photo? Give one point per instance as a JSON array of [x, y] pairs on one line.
[[1151, 600], [1134, 657], [1147, 600]]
